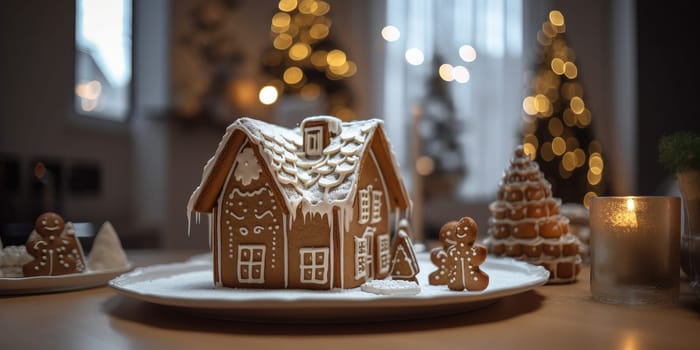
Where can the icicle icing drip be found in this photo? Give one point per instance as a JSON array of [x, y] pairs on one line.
[[211, 228], [190, 208], [189, 222], [347, 212]]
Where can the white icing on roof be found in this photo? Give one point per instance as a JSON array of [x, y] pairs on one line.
[[315, 183]]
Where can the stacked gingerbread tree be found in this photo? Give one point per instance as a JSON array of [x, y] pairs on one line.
[[526, 224]]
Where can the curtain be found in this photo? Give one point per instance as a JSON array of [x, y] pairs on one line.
[[474, 106]]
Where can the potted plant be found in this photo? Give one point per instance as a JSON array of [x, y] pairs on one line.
[[679, 153]]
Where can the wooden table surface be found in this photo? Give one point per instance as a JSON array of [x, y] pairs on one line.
[[549, 317]]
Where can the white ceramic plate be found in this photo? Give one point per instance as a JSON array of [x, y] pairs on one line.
[[60, 283], [189, 286]]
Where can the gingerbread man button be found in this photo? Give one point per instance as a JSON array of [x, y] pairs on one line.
[[55, 248], [464, 258]]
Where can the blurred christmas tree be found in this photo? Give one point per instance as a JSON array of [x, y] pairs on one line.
[[207, 59], [441, 161], [304, 60], [557, 130]]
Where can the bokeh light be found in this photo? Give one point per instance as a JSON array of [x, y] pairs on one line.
[[414, 56], [461, 74], [287, 5], [425, 165], [467, 53], [577, 105], [529, 105], [391, 33], [558, 146], [556, 18], [268, 95], [445, 72], [546, 151], [310, 92], [555, 127], [293, 75], [299, 51], [570, 70], [336, 58]]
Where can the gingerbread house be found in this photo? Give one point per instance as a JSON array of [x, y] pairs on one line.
[[312, 207]]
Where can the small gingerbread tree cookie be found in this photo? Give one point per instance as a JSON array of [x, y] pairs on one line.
[[55, 248], [526, 223], [404, 265], [458, 262]]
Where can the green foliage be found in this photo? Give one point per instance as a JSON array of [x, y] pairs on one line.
[[680, 151]]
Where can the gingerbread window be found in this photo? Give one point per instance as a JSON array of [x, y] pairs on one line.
[[384, 244], [361, 249], [313, 140], [363, 253], [376, 206], [314, 265], [364, 205], [251, 263]]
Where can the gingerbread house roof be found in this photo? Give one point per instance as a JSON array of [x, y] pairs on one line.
[[314, 183]]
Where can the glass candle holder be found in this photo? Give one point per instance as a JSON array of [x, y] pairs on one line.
[[635, 243]]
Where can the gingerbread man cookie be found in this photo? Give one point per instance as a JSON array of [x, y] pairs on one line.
[[439, 256], [465, 258], [55, 248]]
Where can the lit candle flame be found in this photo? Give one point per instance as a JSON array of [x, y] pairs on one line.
[[626, 218]]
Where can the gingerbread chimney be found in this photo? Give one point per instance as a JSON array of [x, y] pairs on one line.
[[317, 133]]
